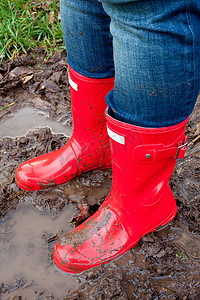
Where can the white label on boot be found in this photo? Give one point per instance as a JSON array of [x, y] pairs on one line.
[[73, 84], [116, 137]]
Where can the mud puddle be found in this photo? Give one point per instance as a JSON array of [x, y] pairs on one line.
[[25, 237], [28, 118]]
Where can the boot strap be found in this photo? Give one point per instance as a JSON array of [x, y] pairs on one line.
[[158, 152]]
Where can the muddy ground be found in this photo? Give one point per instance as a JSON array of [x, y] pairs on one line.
[[164, 265]]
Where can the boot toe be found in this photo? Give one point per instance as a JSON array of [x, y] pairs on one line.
[[100, 239], [24, 176], [33, 175], [69, 260]]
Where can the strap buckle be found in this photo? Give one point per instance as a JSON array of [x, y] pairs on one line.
[[182, 146]]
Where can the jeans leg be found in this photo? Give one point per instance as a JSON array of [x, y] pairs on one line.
[[87, 37], [157, 60]]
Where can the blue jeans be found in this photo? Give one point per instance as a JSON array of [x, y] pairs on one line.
[[152, 47]]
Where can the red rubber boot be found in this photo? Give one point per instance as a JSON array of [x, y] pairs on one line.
[[140, 199], [88, 147]]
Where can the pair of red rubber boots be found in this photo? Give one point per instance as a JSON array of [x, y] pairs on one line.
[[143, 160]]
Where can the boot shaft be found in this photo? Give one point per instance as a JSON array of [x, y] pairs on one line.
[[88, 104], [143, 160]]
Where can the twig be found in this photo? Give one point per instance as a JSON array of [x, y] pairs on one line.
[[8, 112], [194, 140]]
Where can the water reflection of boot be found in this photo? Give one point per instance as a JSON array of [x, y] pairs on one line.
[[140, 199], [87, 149]]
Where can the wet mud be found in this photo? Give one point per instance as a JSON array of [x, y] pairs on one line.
[[36, 119]]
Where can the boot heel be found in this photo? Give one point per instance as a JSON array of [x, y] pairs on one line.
[[167, 204], [171, 217], [164, 223], [168, 220]]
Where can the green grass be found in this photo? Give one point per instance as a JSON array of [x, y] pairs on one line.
[[25, 25], [181, 255]]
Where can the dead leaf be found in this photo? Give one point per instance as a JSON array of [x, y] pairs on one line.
[[197, 132], [10, 77], [52, 87], [51, 18], [49, 86], [25, 79], [24, 60], [56, 57], [20, 71], [56, 77], [34, 18], [47, 7], [34, 88], [9, 83]]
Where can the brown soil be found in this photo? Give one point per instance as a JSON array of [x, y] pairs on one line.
[[164, 265]]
